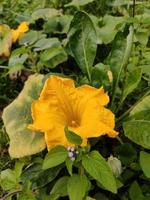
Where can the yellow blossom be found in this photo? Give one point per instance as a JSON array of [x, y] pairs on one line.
[[80, 108], [17, 33]]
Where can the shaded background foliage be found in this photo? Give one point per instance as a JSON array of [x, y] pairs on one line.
[[32, 55]]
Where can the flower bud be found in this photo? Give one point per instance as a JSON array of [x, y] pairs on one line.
[[115, 165]]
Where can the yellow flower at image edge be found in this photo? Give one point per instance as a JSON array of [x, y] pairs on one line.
[[17, 33], [80, 108]]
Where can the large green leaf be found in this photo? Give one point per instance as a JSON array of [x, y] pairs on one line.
[[142, 106], [138, 131], [145, 163], [83, 41], [132, 80], [17, 116], [116, 56], [119, 57], [98, 168], [77, 187]]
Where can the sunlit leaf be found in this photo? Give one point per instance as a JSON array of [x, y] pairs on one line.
[[17, 116], [5, 40]]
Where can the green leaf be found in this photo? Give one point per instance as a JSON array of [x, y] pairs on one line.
[[142, 36], [89, 198], [135, 192], [111, 25], [98, 168], [119, 57], [60, 187], [46, 43], [145, 163], [77, 187], [18, 56], [9, 179], [132, 80], [55, 157], [44, 13], [78, 3], [126, 153], [69, 165], [44, 177], [53, 56], [142, 106], [83, 41], [16, 60], [29, 38], [116, 56], [26, 193], [26, 196], [145, 68], [100, 75], [17, 116], [100, 196], [138, 131], [72, 137], [58, 24]]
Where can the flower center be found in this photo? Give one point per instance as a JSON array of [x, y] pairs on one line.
[[74, 123]]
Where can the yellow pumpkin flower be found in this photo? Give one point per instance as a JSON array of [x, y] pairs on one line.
[[80, 108], [17, 33]]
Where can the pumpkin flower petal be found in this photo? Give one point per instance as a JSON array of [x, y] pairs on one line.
[[17, 33], [89, 92], [81, 109]]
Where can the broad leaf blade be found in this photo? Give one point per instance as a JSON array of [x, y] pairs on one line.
[[55, 157], [138, 131], [132, 80], [77, 187], [98, 168], [17, 116], [60, 187], [142, 106], [145, 163], [83, 41]]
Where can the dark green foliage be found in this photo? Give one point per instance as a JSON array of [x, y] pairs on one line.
[[102, 43]]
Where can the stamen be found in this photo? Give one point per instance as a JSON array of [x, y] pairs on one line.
[[74, 123]]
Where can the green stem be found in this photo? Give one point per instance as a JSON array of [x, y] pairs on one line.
[[125, 60], [10, 194], [81, 170], [133, 14]]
